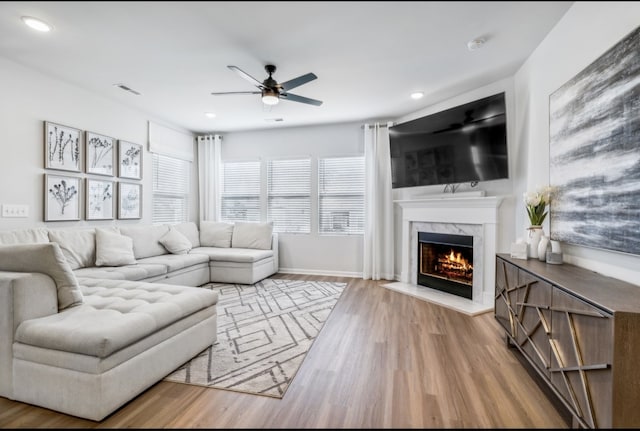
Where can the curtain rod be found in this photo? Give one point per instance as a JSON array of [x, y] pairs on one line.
[[381, 125]]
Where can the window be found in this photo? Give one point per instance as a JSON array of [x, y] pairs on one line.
[[171, 178], [341, 195], [240, 185], [289, 195]]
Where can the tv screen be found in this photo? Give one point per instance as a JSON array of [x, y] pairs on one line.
[[467, 143]]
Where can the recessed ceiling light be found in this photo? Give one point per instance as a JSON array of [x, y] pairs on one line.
[[210, 114], [36, 24], [417, 95], [474, 44]]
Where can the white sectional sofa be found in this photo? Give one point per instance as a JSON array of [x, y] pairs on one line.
[[91, 317], [242, 253]]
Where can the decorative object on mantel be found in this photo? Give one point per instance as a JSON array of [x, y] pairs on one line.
[[542, 248], [555, 254], [519, 249], [594, 152], [536, 204], [534, 234]]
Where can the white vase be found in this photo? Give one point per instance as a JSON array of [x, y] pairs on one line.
[[542, 248], [534, 233]]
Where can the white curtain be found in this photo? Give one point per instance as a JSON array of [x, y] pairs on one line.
[[208, 178], [378, 204]]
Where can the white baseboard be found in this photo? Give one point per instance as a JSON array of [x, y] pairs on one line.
[[320, 272]]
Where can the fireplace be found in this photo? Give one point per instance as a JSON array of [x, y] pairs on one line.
[[474, 215], [445, 262]]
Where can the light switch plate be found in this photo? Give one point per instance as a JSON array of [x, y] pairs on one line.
[[19, 211]]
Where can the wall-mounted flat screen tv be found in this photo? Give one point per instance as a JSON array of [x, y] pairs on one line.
[[467, 143]]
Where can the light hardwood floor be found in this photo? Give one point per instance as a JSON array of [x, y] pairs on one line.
[[382, 360]]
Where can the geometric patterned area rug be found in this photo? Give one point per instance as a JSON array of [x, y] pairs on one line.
[[264, 333]]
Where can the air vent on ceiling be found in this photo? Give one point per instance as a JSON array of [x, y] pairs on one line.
[[125, 88], [273, 120]]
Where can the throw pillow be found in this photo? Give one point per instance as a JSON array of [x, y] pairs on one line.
[[46, 258], [190, 230], [77, 245], [252, 235], [175, 242], [215, 234], [113, 249]]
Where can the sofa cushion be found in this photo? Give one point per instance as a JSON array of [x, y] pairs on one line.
[[215, 234], [113, 249], [77, 245], [190, 230], [24, 236], [175, 242], [46, 259], [173, 335], [139, 271], [115, 315], [252, 235], [145, 239], [174, 262], [243, 255]]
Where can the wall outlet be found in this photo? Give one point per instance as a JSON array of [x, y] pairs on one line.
[[21, 211]]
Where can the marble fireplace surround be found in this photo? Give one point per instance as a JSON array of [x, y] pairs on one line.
[[474, 215]]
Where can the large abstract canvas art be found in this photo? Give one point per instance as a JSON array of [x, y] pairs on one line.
[[594, 150]]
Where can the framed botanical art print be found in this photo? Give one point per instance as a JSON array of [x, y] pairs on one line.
[[129, 160], [61, 197], [99, 199], [62, 147], [100, 152], [129, 200]]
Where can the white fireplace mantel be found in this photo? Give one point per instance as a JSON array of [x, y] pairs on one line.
[[476, 214]]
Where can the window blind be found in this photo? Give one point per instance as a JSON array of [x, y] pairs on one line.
[[341, 195], [289, 195], [169, 142], [170, 192], [240, 197]]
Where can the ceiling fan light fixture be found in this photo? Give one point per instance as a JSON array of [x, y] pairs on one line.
[[270, 97], [476, 43]]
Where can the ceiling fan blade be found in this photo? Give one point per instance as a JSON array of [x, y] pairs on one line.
[[296, 98], [224, 93], [246, 76], [296, 82]]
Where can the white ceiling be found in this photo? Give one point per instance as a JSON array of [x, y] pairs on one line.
[[368, 56]]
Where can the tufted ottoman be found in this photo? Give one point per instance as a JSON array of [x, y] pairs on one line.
[[91, 359]]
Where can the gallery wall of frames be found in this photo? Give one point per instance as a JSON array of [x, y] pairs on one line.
[[90, 175]]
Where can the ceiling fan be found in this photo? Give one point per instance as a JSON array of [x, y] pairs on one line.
[[271, 90]]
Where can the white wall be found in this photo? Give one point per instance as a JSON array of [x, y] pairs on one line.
[[28, 98], [586, 31], [506, 232], [301, 253]]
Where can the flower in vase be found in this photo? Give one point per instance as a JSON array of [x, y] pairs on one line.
[[536, 204]]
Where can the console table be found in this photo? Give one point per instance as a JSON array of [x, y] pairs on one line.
[[580, 331]]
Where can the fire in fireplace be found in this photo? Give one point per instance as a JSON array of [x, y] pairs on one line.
[[445, 262]]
